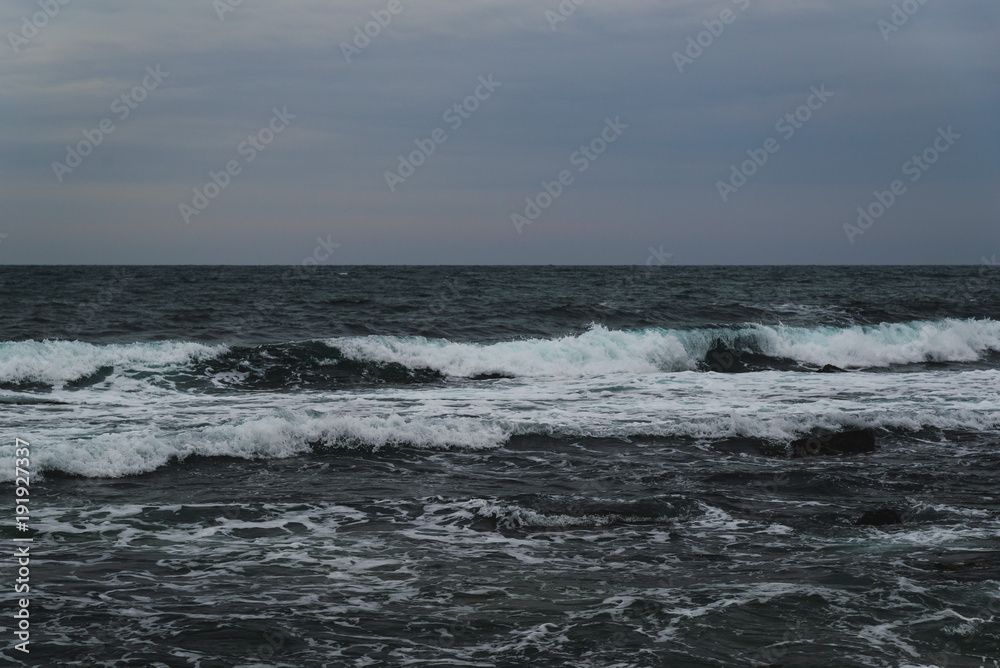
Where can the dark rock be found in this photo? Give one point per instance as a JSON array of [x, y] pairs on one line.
[[491, 376], [829, 368], [841, 443], [723, 359], [958, 566], [960, 563], [879, 518]]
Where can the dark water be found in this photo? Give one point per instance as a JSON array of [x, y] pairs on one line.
[[505, 466]]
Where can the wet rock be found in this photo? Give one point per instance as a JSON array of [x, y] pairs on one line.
[[829, 368], [880, 518], [837, 444], [723, 358], [959, 566]]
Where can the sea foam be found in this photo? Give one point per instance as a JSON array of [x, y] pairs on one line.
[[58, 362], [118, 454], [595, 352], [601, 351]]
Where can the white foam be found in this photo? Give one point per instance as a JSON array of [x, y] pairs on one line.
[[514, 516], [58, 362], [129, 425], [885, 344], [603, 351], [597, 351], [111, 432], [273, 437]]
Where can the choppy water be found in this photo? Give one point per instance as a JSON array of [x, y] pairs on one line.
[[506, 466]]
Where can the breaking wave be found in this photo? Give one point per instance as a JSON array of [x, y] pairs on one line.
[[334, 363], [602, 351]]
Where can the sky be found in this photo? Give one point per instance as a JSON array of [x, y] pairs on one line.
[[585, 131]]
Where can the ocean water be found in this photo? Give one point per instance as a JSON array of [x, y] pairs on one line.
[[533, 466]]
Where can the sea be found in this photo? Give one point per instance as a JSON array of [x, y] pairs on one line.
[[346, 466]]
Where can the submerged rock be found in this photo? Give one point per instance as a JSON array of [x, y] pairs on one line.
[[840, 443], [723, 359], [959, 566], [879, 518], [829, 368]]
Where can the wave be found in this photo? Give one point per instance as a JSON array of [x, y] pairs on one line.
[[601, 351], [334, 363], [287, 433], [33, 365], [309, 364], [59, 363], [548, 513], [119, 454]]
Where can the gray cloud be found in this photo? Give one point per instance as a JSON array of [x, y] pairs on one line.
[[657, 185]]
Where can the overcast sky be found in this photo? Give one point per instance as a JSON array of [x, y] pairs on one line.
[[675, 116]]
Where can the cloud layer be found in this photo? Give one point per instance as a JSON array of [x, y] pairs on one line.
[[701, 86]]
